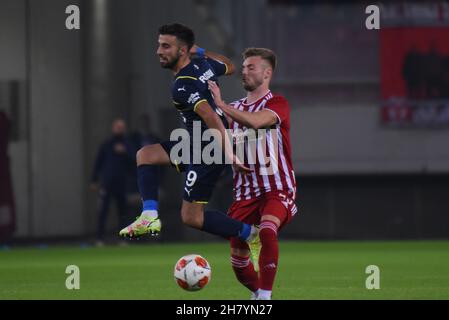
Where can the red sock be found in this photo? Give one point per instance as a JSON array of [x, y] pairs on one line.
[[269, 254], [244, 271]]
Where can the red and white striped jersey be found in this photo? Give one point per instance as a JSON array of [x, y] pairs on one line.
[[266, 151]]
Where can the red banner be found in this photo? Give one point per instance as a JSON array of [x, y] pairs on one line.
[[415, 75]]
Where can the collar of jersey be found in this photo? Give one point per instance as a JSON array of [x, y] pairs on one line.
[[257, 101], [180, 73]]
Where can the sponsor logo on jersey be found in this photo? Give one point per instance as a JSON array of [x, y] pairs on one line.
[[194, 97], [206, 76]]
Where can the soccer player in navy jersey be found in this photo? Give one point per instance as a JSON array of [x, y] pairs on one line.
[[192, 67]]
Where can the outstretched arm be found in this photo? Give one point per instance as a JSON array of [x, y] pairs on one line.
[[255, 120], [230, 68], [205, 111]]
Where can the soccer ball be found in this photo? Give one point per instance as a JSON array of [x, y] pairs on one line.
[[192, 272]]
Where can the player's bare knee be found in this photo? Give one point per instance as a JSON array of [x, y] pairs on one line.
[[140, 156], [146, 155], [191, 219]]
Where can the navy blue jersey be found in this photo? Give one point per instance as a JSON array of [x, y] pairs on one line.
[[190, 89]]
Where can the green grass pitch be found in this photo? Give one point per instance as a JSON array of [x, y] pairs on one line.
[[307, 270]]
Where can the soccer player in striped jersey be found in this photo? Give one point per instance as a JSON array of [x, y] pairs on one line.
[[266, 195]]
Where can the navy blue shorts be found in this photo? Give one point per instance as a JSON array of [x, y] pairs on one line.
[[200, 179]]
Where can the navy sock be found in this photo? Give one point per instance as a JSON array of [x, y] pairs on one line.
[[148, 181], [220, 224]]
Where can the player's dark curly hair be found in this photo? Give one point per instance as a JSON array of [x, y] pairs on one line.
[[181, 32]]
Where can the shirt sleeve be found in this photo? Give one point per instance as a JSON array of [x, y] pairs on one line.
[[219, 67], [187, 95], [279, 106]]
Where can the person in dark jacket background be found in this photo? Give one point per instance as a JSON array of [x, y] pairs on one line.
[[115, 159]]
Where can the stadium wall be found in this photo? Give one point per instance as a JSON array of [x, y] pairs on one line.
[[354, 174]]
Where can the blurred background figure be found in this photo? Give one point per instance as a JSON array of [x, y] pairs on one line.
[[412, 72], [7, 208], [434, 72], [115, 159]]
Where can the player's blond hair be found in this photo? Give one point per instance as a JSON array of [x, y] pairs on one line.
[[266, 54]]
